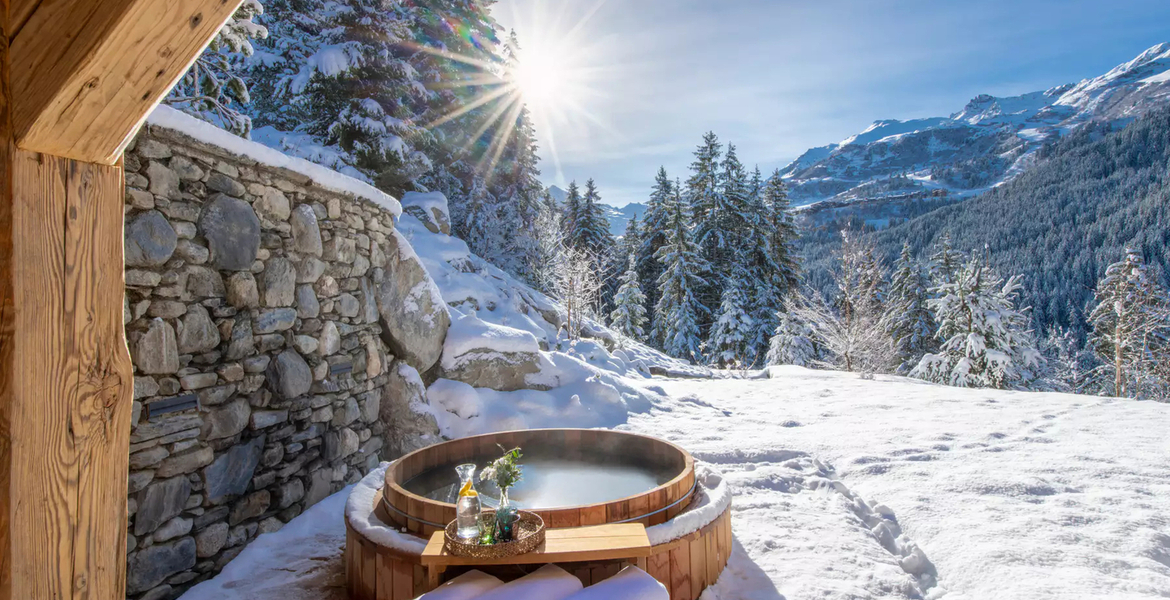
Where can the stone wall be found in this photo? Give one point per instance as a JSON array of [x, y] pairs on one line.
[[276, 304]]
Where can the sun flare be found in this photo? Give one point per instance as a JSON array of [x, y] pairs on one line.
[[539, 80]]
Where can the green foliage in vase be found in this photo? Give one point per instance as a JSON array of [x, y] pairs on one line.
[[505, 470]]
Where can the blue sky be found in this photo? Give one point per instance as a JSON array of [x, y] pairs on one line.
[[777, 77]]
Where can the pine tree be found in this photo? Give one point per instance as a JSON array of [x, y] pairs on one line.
[[678, 313], [703, 184], [1130, 325], [985, 342], [772, 261], [550, 239], [793, 341], [725, 219], [214, 89], [908, 319], [592, 227], [629, 314], [334, 71], [653, 234], [483, 237], [572, 212], [946, 262], [733, 328]]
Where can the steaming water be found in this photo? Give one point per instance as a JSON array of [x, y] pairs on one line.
[[548, 483]]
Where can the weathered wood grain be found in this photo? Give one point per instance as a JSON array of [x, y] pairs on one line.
[[86, 73]]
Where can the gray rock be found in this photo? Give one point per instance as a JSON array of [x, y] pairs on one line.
[[501, 371], [211, 540], [329, 341], [268, 418], [218, 182], [167, 309], [242, 343], [197, 332], [227, 420], [369, 301], [371, 405], [232, 231], [160, 502], [340, 249], [156, 352], [430, 208], [305, 231], [192, 253], [144, 387], [150, 240], [151, 566], [163, 181], [140, 199], [242, 291], [290, 375], [185, 463], [414, 318], [198, 381], [147, 457], [148, 148], [305, 344], [272, 205], [349, 413], [270, 525], [230, 474], [137, 278], [165, 427], [273, 320], [278, 284], [203, 282], [307, 305], [172, 529], [373, 359], [186, 169], [289, 493], [320, 487], [407, 429], [249, 507], [310, 270], [340, 444], [348, 306]]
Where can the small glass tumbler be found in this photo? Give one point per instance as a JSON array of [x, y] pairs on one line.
[[487, 528]]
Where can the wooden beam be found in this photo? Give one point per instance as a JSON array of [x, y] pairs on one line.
[[77, 77], [85, 73]]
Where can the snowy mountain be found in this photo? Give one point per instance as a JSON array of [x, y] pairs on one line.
[[991, 140], [618, 217]]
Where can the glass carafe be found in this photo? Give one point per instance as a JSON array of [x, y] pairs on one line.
[[467, 506]]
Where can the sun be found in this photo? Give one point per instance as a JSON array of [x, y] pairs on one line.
[[539, 79]]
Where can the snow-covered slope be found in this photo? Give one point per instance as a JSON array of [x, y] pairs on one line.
[[882, 489], [591, 382], [986, 143], [618, 217]]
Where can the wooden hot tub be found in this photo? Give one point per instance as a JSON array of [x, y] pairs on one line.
[[660, 485]]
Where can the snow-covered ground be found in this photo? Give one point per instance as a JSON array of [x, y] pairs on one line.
[[885, 488]]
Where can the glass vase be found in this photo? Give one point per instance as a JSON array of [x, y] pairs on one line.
[[467, 506]]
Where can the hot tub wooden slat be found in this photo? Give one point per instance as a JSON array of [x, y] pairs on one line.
[[592, 515], [698, 552], [384, 586], [680, 573]]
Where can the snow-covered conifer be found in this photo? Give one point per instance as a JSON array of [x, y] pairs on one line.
[[793, 341], [678, 313], [629, 314], [1130, 323], [653, 233], [946, 262], [214, 88], [733, 329], [908, 318], [985, 340]]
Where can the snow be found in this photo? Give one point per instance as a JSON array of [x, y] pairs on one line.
[[359, 511], [470, 335], [1006, 494], [631, 583], [883, 488], [177, 121]]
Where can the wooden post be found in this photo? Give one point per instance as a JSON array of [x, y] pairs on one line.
[[77, 78]]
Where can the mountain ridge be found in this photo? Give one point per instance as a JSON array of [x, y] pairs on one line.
[[988, 142]]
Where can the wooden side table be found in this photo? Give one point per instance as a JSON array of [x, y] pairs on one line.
[[618, 541]]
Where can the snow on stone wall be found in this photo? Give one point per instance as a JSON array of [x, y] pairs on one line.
[[259, 285]]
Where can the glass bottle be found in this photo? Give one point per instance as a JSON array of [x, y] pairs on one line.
[[467, 506]]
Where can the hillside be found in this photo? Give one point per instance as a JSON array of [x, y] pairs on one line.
[[883, 489], [990, 141], [1094, 193]]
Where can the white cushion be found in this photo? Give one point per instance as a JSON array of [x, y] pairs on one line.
[[467, 586], [549, 582], [631, 584]]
